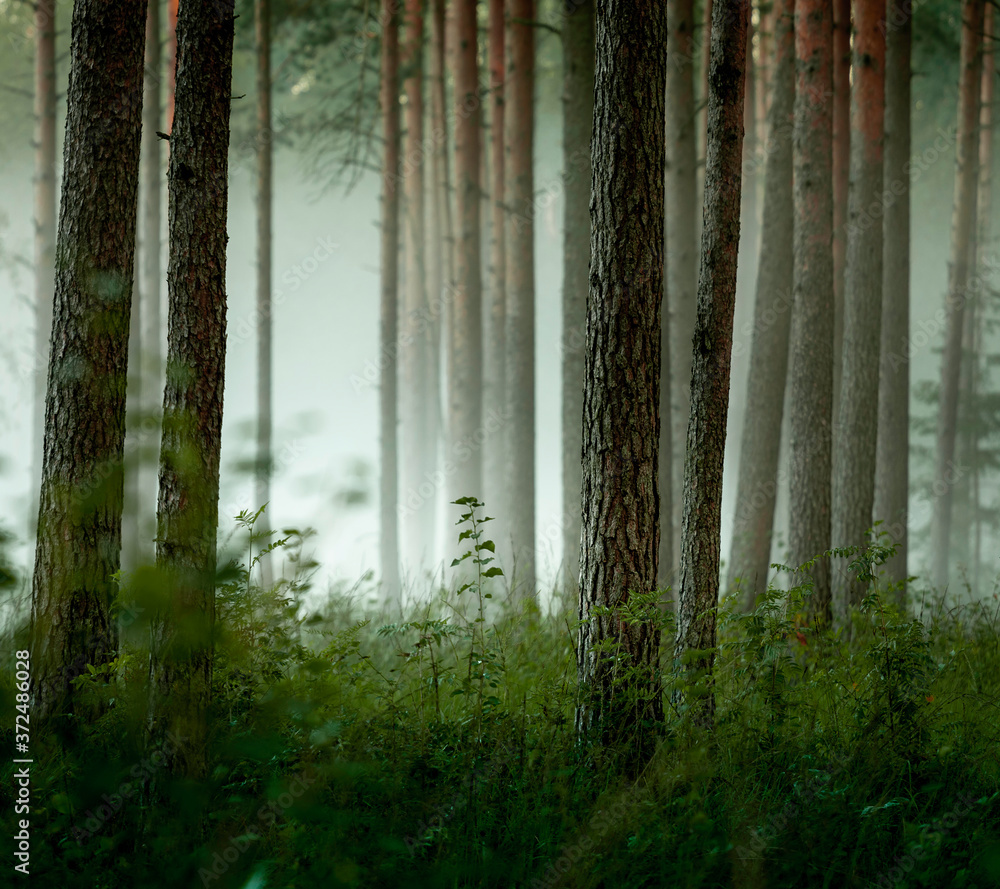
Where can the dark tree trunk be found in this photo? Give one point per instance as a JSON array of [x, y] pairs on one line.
[[856, 429], [172, 8], [963, 220], [45, 226], [841, 176], [80, 504], [188, 508], [388, 334], [892, 479], [758, 477], [811, 351], [621, 400], [494, 342], [265, 148], [698, 592], [578, 122], [414, 354], [520, 336], [682, 248]]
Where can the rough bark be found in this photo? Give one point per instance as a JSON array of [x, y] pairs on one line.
[[520, 305], [621, 399], [841, 177], [494, 342], [417, 507], [811, 357], [265, 177], [188, 507], [856, 429], [682, 244], [388, 330], [172, 8], [45, 226], [78, 540], [465, 368], [892, 478], [698, 592], [760, 445], [578, 121], [963, 220]]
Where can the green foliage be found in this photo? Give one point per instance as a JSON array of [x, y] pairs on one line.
[[357, 746]]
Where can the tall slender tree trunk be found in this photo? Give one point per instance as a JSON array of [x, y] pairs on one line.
[[465, 367], [701, 529], [578, 122], [856, 430], [621, 400], [494, 341], [963, 220], [811, 356], [841, 177], [416, 504], [149, 292], [188, 509], [682, 125], [766, 62], [760, 447], [439, 242], [265, 180], [892, 478], [388, 454], [80, 504], [45, 225], [172, 9], [520, 338]]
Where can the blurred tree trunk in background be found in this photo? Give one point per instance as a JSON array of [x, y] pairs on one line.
[[682, 124], [494, 341], [265, 179], [753, 526], [621, 400], [811, 350], [892, 478], [465, 355], [80, 504], [841, 176], [188, 508], [578, 122], [856, 429], [45, 229], [701, 544], [962, 223], [519, 93], [765, 63], [389, 309], [440, 243], [417, 498]]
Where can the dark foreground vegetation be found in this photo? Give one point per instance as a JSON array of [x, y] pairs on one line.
[[435, 745]]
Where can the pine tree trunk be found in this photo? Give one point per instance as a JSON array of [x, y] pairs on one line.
[[265, 148], [152, 274], [841, 177], [698, 592], [760, 446], [188, 508], [578, 122], [45, 227], [417, 501], [765, 63], [811, 354], [621, 399], [388, 454], [172, 9], [494, 342], [892, 479], [856, 429], [465, 368], [79, 519], [963, 220], [682, 246], [520, 335]]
